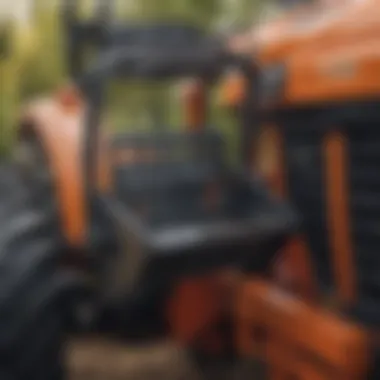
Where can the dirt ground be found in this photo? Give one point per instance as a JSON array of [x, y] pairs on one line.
[[97, 359]]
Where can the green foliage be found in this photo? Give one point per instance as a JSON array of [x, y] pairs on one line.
[[10, 68], [9, 100], [198, 11], [37, 65], [47, 65]]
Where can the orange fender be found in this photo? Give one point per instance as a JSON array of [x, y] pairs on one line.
[[59, 126]]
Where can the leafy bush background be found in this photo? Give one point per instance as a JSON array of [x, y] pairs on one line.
[[35, 63]]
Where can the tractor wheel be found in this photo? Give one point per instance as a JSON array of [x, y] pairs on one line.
[[32, 287]]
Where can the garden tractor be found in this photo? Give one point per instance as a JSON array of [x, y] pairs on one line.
[[317, 100], [110, 226]]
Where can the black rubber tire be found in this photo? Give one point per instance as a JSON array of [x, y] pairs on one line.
[[32, 285]]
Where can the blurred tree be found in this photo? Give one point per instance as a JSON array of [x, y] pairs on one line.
[[47, 66], [151, 104], [18, 40]]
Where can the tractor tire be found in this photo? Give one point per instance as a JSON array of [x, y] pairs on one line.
[[32, 285]]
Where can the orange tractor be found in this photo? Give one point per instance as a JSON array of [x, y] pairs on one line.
[[145, 220], [109, 230], [317, 109]]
